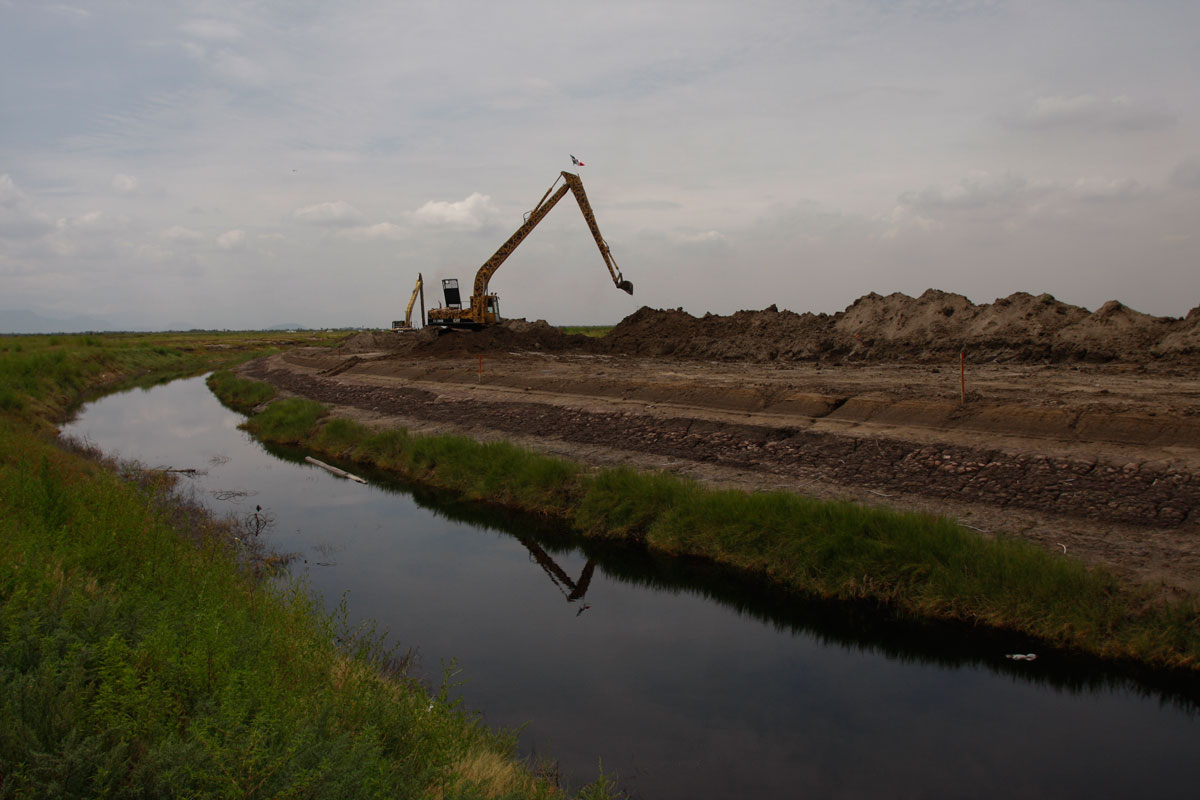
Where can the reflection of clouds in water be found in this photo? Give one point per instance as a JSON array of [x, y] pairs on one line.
[[190, 430], [328, 497]]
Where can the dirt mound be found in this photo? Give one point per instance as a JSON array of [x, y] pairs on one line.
[[1184, 340], [512, 335], [1115, 331], [374, 342], [932, 327], [766, 335]]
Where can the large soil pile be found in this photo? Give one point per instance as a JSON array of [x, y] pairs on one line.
[[932, 327], [513, 335], [1020, 327]]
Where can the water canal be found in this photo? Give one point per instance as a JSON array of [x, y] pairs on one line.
[[688, 682]]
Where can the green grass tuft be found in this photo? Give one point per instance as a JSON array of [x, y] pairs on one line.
[[239, 394], [288, 421]]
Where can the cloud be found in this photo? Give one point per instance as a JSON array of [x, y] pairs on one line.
[[1186, 175], [212, 29], [645, 205], [527, 94], [1006, 200], [91, 220], [194, 50], [380, 230], [178, 233], [977, 191], [152, 252], [1086, 111], [18, 218], [336, 214], [71, 12], [695, 128], [217, 42], [232, 240], [124, 184], [710, 238], [90, 234], [10, 193], [470, 213], [1106, 189], [240, 69]]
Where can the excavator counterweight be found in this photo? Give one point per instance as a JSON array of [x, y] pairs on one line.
[[484, 308]]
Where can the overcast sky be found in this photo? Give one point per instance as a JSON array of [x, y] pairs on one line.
[[235, 164]]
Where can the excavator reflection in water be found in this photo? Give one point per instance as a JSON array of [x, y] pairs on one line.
[[484, 308], [572, 590]]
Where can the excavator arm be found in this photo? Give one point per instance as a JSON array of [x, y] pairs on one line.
[[411, 300], [406, 325], [483, 308], [485, 273], [586, 207], [570, 182]]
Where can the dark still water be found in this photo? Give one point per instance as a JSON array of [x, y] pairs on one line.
[[688, 682]]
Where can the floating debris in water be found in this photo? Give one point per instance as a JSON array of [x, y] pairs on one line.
[[1022, 656]]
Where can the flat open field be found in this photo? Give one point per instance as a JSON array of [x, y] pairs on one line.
[[1090, 448]]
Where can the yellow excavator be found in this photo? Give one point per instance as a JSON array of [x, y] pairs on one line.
[[484, 309], [406, 324]]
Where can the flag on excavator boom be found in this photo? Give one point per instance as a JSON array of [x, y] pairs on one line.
[[577, 162]]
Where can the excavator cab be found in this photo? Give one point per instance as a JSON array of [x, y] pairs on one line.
[[450, 289]]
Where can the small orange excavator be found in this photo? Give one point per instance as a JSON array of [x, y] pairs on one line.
[[484, 309]]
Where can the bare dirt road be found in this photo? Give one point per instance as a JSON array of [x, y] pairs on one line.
[[1097, 461]]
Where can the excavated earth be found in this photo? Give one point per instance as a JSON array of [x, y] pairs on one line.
[[1027, 417]]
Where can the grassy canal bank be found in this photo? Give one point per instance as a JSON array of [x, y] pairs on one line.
[[914, 564], [141, 656]]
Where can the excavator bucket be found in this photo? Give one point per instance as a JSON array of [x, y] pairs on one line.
[[626, 287]]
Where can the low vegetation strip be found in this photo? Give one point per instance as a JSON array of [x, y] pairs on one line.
[[141, 656], [240, 395], [916, 564], [41, 377]]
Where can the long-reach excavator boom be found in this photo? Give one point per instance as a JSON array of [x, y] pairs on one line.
[[407, 324], [483, 308]]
